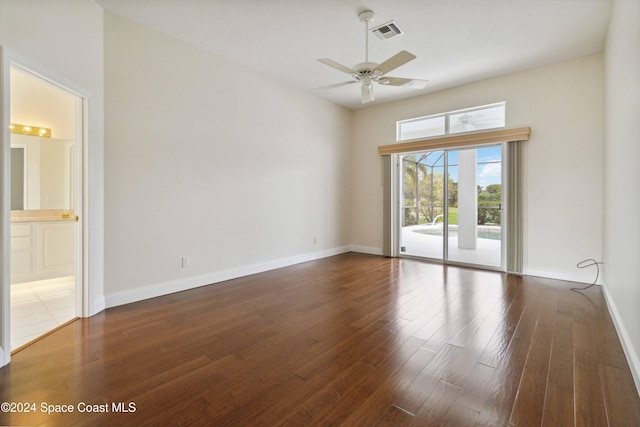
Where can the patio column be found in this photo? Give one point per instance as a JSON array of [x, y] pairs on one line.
[[467, 199]]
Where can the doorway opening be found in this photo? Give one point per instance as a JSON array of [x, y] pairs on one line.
[[45, 236], [450, 206]]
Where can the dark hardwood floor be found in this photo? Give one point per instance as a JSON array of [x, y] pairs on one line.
[[352, 340]]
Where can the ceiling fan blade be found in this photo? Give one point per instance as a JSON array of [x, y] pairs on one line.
[[367, 93], [339, 67], [398, 81], [336, 85], [397, 60]]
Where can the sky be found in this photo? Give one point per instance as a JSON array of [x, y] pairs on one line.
[[489, 173]]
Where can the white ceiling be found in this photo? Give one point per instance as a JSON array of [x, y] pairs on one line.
[[455, 41]]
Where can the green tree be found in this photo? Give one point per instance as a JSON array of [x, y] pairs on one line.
[[489, 199]]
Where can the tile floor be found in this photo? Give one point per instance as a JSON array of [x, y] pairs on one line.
[[38, 307]]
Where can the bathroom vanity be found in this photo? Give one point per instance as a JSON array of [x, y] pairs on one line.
[[42, 245], [42, 221]]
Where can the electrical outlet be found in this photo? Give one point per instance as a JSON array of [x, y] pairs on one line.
[[186, 261]]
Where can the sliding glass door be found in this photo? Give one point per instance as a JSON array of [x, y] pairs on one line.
[[451, 205]]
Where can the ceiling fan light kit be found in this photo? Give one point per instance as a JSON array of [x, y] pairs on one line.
[[368, 72]]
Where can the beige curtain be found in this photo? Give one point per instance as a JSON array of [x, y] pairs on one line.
[[514, 206], [387, 206]]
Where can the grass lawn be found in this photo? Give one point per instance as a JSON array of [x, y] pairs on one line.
[[453, 215]]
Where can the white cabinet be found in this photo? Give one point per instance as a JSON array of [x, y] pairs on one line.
[[22, 256], [41, 250]]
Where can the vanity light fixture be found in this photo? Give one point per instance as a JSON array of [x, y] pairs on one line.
[[30, 130]]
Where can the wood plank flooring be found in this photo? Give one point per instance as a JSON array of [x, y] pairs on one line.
[[348, 340]]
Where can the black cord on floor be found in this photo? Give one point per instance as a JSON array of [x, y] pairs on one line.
[[588, 263]]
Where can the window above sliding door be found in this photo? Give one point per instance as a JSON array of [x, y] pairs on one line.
[[468, 120]]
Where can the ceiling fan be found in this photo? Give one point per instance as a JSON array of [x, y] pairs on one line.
[[368, 72]]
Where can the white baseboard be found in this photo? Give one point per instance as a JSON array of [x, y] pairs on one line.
[[366, 250], [178, 285], [632, 356], [98, 305], [569, 277]]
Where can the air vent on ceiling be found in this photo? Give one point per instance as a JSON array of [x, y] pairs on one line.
[[387, 31]]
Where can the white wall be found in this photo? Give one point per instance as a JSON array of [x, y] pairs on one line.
[[563, 160], [208, 159], [63, 40], [622, 175]]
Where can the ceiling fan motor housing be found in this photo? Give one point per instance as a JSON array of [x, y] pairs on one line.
[[366, 69]]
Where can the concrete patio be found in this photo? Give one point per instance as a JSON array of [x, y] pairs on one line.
[[418, 243]]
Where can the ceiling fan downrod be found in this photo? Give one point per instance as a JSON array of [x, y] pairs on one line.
[[366, 16]]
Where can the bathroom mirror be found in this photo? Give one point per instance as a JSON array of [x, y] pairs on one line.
[[41, 173]]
